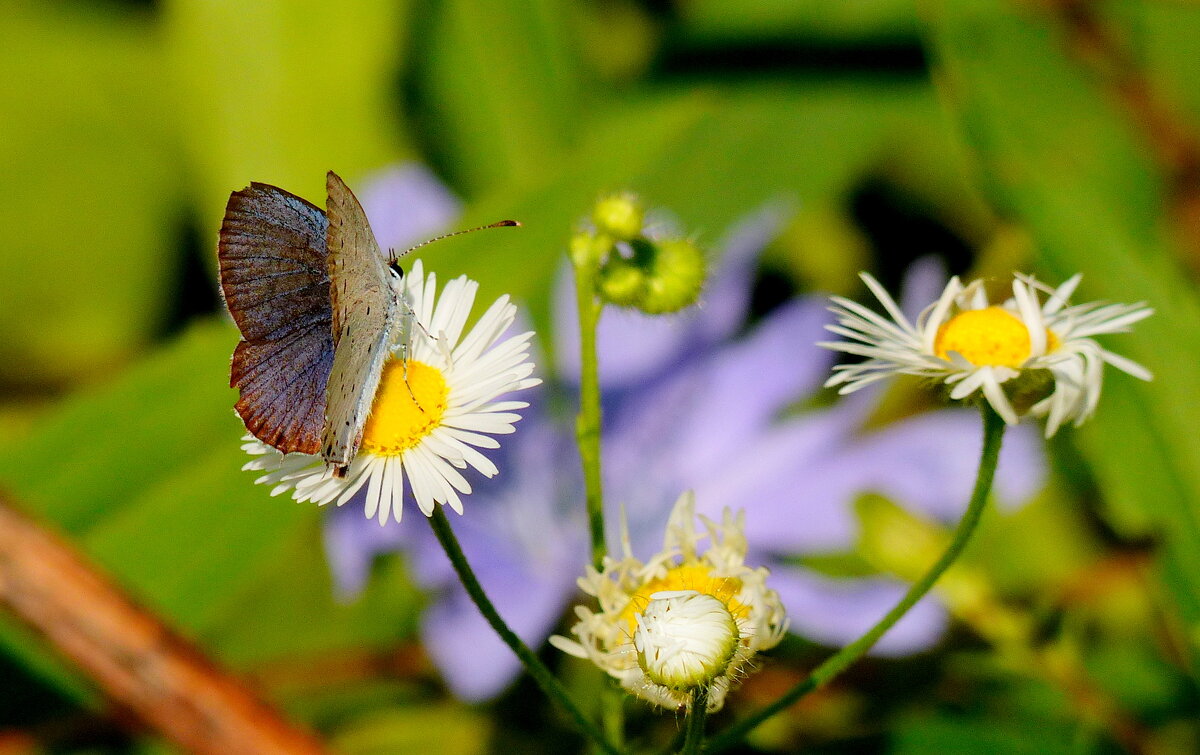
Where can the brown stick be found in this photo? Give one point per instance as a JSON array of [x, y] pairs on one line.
[[131, 655]]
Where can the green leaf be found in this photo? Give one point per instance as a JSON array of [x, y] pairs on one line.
[[282, 93], [706, 159], [93, 191], [979, 737], [289, 610], [1061, 158], [102, 448], [864, 20], [1164, 42], [498, 88], [449, 730], [145, 474]]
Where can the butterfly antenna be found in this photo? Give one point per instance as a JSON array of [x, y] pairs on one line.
[[499, 224]]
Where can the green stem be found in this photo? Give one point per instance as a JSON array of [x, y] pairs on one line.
[[697, 716], [546, 680], [612, 712], [587, 425], [587, 436], [993, 432]]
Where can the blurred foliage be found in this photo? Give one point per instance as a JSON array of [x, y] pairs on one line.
[[994, 133]]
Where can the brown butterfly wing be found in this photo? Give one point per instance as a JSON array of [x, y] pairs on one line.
[[272, 255], [364, 316]]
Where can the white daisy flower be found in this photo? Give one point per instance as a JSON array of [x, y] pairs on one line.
[[975, 346], [682, 620], [436, 406]]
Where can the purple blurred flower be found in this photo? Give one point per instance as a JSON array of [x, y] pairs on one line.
[[689, 403]]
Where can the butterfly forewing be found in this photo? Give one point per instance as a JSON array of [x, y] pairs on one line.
[[272, 256], [365, 313]]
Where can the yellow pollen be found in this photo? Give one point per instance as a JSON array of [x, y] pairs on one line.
[[692, 576], [397, 422], [991, 336]]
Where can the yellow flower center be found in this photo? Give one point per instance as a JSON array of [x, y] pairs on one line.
[[991, 336], [408, 406], [693, 576]]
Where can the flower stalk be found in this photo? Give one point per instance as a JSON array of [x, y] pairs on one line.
[[993, 432], [697, 716], [588, 423], [545, 679], [586, 253]]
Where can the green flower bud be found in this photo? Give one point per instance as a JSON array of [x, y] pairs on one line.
[[622, 282], [588, 250], [658, 278], [620, 216], [675, 277]]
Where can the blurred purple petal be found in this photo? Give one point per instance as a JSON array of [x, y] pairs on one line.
[[631, 345], [791, 484], [726, 298], [746, 386], [474, 662], [835, 612], [923, 284], [351, 544], [526, 548], [929, 462], [406, 204]]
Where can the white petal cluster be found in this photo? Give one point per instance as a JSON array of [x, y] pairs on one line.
[[683, 583], [1060, 337]]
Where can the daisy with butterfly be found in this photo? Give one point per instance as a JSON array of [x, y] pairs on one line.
[[352, 375]]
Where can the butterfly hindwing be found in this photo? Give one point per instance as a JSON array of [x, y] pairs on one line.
[[364, 311], [272, 255]]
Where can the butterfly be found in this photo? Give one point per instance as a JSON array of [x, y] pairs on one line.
[[320, 308]]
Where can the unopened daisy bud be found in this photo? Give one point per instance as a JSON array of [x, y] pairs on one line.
[[620, 216], [685, 639], [675, 277]]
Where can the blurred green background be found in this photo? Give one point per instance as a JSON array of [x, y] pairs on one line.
[[1051, 135]]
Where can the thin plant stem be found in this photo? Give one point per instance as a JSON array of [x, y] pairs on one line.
[[697, 716], [587, 425], [542, 675], [612, 712], [587, 435], [993, 433]]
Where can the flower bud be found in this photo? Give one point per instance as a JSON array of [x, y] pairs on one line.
[[659, 277], [685, 639], [622, 282], [675, 277], [587, 250], [620, 216]]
